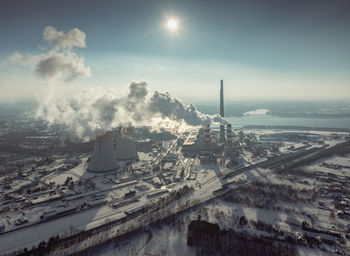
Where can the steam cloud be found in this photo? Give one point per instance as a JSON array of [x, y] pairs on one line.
[[174, 109], [56, 64], [89, 113], [61, 61], [92, 112], [58, 39]]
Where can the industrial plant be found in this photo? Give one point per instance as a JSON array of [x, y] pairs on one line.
[[175, 128], [130, 180]]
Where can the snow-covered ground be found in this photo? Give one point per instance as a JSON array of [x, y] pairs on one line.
[[169, 240], [287, 218], [204, 178]]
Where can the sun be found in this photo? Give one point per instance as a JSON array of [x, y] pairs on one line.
[[172, 24]]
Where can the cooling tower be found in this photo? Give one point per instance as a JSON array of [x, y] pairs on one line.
[[125, 149], [103, 156]]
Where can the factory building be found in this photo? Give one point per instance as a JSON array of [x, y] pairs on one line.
[[103, 156]]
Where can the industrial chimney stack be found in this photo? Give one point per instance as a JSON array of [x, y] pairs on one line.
[[222, 99], [229, 134], [207, 134], [222, 127]]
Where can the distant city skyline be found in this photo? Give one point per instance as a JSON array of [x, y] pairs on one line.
[[261, 49]]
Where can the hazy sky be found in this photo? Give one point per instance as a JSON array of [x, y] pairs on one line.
[[262, 49]]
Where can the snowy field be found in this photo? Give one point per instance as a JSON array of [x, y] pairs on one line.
[[169, 240]]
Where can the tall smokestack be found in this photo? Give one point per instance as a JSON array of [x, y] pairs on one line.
[[228, 133], [222, 99], [207, 134], [222, 127]]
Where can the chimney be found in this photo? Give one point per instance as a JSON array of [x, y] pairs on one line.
[[222, 127], [207, 134], [222, 99], [229, 134]]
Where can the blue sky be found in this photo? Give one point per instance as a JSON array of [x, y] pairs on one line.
[[262, 49]]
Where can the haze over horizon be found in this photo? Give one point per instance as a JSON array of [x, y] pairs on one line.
[[262, 49]]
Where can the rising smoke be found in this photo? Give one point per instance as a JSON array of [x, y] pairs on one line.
[[60, 40], [61, 61], [92, 112]]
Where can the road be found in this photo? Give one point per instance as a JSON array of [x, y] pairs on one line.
[[27, 237]]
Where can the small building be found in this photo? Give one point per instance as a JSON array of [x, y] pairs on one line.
[[157, 182], [130, 194]]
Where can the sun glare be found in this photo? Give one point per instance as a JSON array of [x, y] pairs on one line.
[[172, 24]]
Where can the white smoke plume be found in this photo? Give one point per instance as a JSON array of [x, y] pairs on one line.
[[59, 39], [24, 60], [61, 61], [126, 131], [91, 113], [173, 108], [67, 65]]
